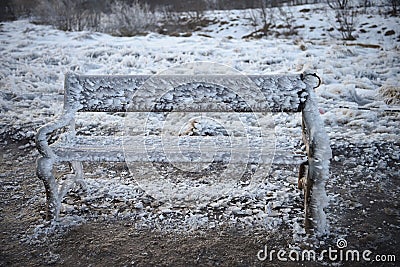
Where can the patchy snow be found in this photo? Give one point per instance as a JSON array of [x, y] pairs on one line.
[[34, 60]]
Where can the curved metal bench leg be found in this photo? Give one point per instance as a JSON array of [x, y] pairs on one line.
[[77, 168], [79, 176], [45, 173], [305, 183], [54, 194], [308, 225], [302, 175], [75, 177]]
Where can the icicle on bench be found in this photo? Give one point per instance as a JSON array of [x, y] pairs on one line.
[[274, 93]]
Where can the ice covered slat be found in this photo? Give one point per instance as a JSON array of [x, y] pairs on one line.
[[189, 149], [184, 93]]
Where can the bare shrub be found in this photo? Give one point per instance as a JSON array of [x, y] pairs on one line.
[[270, 17], [22, 8], [129, 19], [390, 94], [338, 4], [65, 15], [196, 12], [6, 11], [262, 19], [184, 16], [286, 15], [395, 4], [69, 15], [346, 20], [77, 15]]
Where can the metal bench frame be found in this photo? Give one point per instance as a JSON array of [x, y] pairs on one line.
[[283, 93]]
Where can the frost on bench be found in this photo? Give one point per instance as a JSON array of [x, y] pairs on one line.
[[181, 93], [319, 154], [184, 93]]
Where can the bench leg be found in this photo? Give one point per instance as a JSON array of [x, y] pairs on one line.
[[75, 177], [305, 183], [307, 207], [77, 168], [45, 173], [54, 194], [302, 175]]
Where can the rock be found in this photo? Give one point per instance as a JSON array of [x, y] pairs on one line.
[[390, 32]]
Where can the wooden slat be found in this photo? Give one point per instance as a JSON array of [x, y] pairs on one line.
[[184, 93], [188, 149]]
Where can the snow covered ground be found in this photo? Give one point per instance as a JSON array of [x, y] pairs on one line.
[[34, 60]]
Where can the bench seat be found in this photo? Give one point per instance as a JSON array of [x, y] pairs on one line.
[[176, 149]]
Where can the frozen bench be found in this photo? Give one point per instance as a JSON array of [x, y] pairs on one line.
[[183, 93]]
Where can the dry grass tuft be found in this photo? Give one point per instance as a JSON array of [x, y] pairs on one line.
[[390, 94]]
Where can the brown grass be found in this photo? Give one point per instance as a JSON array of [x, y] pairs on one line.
[[390, 94], [364, 45]]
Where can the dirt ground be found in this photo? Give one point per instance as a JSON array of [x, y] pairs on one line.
[[365, 211]]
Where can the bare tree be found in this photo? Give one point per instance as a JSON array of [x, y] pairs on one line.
[[395, 5], [346, 17], [263, 17], [267, 17]]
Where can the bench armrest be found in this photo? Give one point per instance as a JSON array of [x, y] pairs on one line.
[[41, 136]]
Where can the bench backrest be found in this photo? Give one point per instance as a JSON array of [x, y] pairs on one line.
[[185, 93]]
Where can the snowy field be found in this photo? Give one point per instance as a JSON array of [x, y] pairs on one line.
[[355, 109], [36, 58]]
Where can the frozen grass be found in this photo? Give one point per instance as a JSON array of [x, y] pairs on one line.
[[35, 58], [390, 94]]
